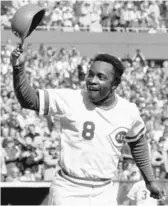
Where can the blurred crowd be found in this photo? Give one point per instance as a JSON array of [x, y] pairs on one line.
[[95, 16], [30, 144]]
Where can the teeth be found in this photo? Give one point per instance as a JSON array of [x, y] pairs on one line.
[[93, 89]]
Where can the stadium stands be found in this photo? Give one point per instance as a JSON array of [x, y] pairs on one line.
[[26, 139], [29, 141], [96, 16]]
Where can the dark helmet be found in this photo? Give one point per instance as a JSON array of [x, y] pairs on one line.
[[26, 19]]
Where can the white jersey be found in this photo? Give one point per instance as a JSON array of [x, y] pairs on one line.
[[165, 146], [92, 137], [141, 194]]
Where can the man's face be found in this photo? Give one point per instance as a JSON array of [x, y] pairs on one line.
[[53, 152], [15, 172], [100, 81], [10, 144], [27, 173], [32, 129]]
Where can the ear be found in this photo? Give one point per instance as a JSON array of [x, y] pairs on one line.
[[115, 84], [114, 87]]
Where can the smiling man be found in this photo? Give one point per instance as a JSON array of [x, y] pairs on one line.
[[95, 122], [101, 81]]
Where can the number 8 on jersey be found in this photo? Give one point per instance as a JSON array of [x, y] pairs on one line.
[[88, 130]]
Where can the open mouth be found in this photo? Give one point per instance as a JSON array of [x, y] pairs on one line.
[[92, 89]]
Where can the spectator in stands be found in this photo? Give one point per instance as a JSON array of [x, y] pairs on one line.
[[106, 11], [19, 3], [31, 157], [4, 132], [156, 155], [55, 134], [128, 165], [67, 15], [13, 154], [153, 14], [165, 150], [128, 14], [5, 21], [51, 159], [31, 131], [157, 172], [4, 116], [14, 176], [141, 83], [5, 64], [96, 16], [3, 169], [157, 128], [116, 18], [95, 24], [82, 69], [57, 16], [27, 176], [135, 174], [139, 56], [119, 176], [164, 12], [84, 16], [165, 70]]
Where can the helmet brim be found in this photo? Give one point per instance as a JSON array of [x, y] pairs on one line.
[[26, 19]]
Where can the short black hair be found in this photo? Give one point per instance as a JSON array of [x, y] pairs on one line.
[[115, 62]]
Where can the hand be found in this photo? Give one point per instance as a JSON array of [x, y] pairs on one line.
[[155, 191], [17, 57]]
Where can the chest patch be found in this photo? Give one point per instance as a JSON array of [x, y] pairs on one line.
[[118, 136]]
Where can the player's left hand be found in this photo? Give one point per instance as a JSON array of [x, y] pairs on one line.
[[155, 191]]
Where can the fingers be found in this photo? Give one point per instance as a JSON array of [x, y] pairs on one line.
[[158, 195], [155, 195], [162, 195], [16, 57], [17, 51], [19, 46]]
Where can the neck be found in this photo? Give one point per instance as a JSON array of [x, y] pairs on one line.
[[107, 101]]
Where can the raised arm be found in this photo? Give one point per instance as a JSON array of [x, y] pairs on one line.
[[26, 95]]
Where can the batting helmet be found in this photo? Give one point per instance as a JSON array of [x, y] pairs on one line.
[[26, 19]]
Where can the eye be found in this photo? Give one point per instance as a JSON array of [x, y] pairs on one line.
[[102, 77], [90, 74]]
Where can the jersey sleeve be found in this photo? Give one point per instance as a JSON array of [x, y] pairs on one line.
[[165, 146], [138, 127], [132, 193], [53, 101]]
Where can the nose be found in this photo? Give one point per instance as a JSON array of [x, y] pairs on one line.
[[94, 80]]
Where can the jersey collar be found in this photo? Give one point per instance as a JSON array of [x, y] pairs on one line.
[[110, 106]]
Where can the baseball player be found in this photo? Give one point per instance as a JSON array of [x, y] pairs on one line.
[[141, 194], [95, 122]]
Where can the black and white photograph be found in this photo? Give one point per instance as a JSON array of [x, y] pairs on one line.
[[84, 102]]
